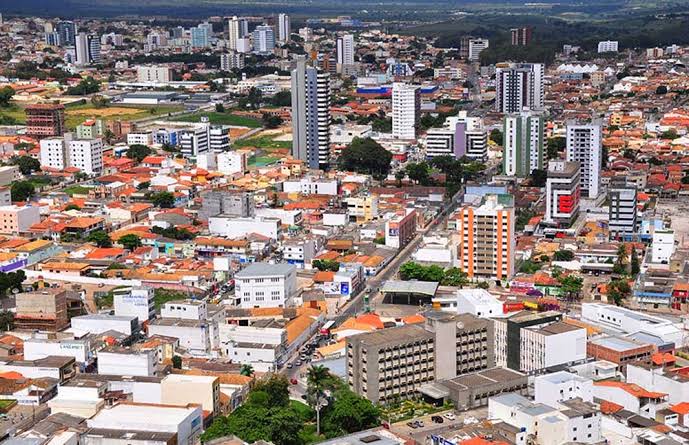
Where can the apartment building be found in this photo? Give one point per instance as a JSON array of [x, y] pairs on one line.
[[562, 193], [61, 153], [519, 86], [585, 146], [523, 143], [266, 285], [400, 228], [487, 242], [622, 219], [406, 108], [15, 219], [393, 363], [362, 208], [45, 120], [154, 74], [45, 310]]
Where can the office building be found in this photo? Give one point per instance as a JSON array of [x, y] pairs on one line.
[[519, 86], [200, 37], [345, 50], [446, 141], [68, 32], [608, 46], [522, 143], [218, 138], [44, 310], [487, 243], [61, 153], [263, 40], [52, 38], [87, 49], [622, 219], [45, 120], [284, 29], [533, 342], [134, 301], [153, 74], [237, 29], [620, 351], [521, 36], [476, 46], [195, 141], [472, 139], [262, 285], [562, 193], [585, 146], [310, 115], [231, 61], [400, 228], [392, 364], [406, 107]]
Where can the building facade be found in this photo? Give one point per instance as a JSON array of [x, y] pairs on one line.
[[522, 143], [585, 146], [562, 193], [519, 86], [406, 106]]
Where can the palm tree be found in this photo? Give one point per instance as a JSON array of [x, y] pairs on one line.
[[247, 370], [317, 377]]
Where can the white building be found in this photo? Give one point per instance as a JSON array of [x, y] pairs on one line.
[[261, 347], [37, 348], [608, 46], [195, 336], [662, 246], [284, 29], [83, 398], [54, 153], [231, 162], [345, 134], [153, 74], [628, 321], [659, 380], [345, 50], [232, 61], [86, 155], [233, 227], [134, 302], [631, 397], [519, 86], [126, 362], [140, 138], [310, 185], [477, 302], [185, 309], [475, 48], [185, 421], [266, 285], [238, 29], [585, 146], [552, 389], [263, 40], [194, 141], [406, 106], [99, 323], [562, 192], [523, 143]]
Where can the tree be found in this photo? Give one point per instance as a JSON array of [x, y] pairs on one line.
[[164, 200], [72, 207], [100, 238], [669, 134], [618, 291], [496, 136], [246, 370], [6, 94], [254, 98], [635, 266], [455, 277], [326, 265], [271, 121], [22, 190], [99, 101], [662, 89], [138, 152], [282, 99], [418, 173], [285, 425], [554, 146], [317, 376], [538, 177], [177, 362], [27, 164], [86, 86], [366, 156], [108, 135], [143, 185], [130, 241], [563, 255], [349, 413], [400, 175], [571, 285], [277, 388], [219, 108], [621, 260], [529, 267]]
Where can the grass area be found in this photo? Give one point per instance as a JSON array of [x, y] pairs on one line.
[[14, 112], [221, 119], [305, 412], [410, 409], [7, 404], [163, 296], [266, 141], [262, 161], [76, 190]]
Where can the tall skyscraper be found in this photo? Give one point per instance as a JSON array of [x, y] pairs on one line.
[[406, 107], [519, 86], [584, 145], [94, 49], [487, 243], [475, 48], [68, 32], [623, 212], [200, 37], [87, 49], [284, 30], [264, 40], [521, 36], [52, 38], [523, 143], [345, 50], [237, 29], [562, 193], [310, 115]]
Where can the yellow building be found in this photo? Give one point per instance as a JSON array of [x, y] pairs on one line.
[[364, 209], [182, 389]]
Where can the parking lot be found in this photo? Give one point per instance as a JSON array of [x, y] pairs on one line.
[[422, 434]]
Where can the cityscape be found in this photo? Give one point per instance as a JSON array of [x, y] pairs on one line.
[[375, 223]]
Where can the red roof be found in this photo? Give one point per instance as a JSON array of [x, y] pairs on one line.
[[632, 389]]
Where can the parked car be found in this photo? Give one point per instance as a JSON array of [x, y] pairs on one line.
[[419, 423], [412, 425], [450, 416], [293, 381], [437, 419]]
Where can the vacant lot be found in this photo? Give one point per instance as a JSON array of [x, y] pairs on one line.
[[221, 119]]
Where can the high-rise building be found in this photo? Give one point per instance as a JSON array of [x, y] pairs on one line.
[[231, 61], [522, 143], [156, 40], [345, 50], [562, 192], [464, 47], [608, 46], [94, 49], [392, 364], [200, 37], [263, 40], [584, 145], [237, 29], [623, 212], [87, 49], [45, 120], [63, 152], [52, 38], [406, 106], [475, 48], [519, 86], [487, 243], [195, 141], [473, 136], [521, 36], [284, 29], [310, 115], [68, 32], [154, 74]]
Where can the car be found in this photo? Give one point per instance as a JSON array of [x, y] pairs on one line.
[[293, 381], [297, 363], [4, 417], [289, 366], [412, 425], [437, 419], [450, 416], [420, 423]]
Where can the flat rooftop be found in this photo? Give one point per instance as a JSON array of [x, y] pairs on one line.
[[142, 416], [265, 269], [618, 344], [401, 334]]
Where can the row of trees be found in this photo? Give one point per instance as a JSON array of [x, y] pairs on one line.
[[447, 277]]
